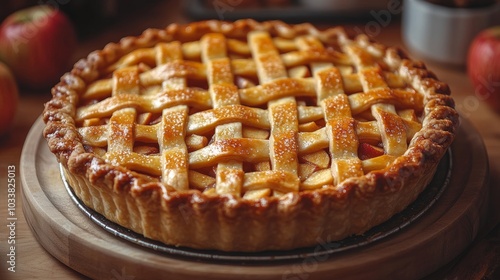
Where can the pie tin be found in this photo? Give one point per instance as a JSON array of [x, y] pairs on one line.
[[323, 250]]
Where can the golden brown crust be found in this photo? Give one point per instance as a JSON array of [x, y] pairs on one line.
[[195, 219]]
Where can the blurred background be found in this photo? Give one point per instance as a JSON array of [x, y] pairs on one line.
[[435, 23], [93, 16]]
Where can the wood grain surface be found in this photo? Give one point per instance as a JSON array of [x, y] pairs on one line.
[[480, 260]]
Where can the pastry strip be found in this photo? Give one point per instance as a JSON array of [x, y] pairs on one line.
[[224, 94]]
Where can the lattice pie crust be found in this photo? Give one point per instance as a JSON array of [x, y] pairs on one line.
[[249, 136]]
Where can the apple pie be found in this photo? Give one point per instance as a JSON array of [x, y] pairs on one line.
[[249, 136]]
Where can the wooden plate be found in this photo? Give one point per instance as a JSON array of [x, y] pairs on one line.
[[431, 241]]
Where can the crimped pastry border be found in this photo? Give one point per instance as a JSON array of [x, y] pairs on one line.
[[226, 223]]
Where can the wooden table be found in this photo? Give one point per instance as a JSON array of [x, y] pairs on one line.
[[32, 261]]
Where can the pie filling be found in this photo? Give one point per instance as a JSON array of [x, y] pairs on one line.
[[254, 112]]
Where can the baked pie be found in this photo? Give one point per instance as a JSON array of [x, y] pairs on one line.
[[249, 136]]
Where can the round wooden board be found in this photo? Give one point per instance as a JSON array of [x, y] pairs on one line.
[[431, 241]]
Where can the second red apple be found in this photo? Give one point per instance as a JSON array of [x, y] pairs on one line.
[[483, 66], [37, 43]]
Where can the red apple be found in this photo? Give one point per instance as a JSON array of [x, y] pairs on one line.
[[37, 44], [483, 66], [8, 98]]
